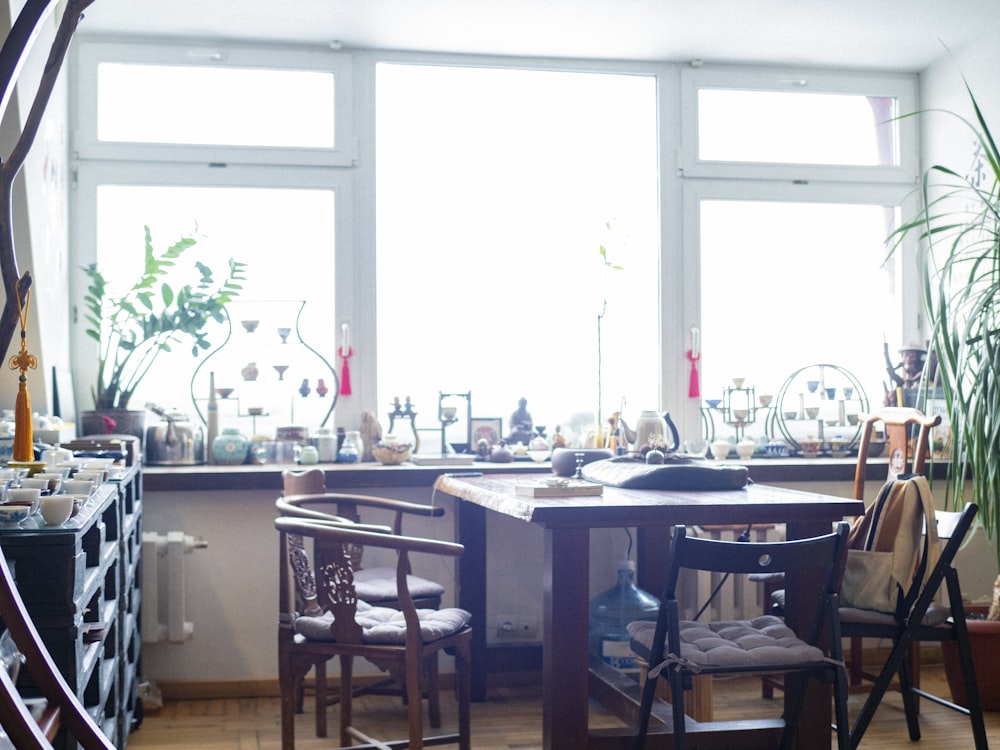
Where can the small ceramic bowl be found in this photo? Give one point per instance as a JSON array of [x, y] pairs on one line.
[[13, 514], [539, 456], [56, 509], [391, 453]]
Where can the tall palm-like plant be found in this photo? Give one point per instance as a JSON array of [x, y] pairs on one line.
[[959, 220]]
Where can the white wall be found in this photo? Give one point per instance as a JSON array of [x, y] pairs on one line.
[[233, 583], [40, 217]]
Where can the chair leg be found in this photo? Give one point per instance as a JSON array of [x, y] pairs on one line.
[[906, 685], [346, 698], [645, 708], [676, 680], [431, 690], [463, 693], [320, 668], [287, 681], [855, 665], [879, 688], [840, 708], [414, 707]]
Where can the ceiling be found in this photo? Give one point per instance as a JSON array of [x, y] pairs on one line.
[[865, 34]]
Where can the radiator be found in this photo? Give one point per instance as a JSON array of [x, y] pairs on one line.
[[739, 598], [163, 599]]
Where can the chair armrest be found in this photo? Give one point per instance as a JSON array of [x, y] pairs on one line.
[[286, 508], [351, 535], [371, 501]]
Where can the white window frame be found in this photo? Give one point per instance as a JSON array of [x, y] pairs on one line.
[[90, 176], [90, 54], [902, 88]]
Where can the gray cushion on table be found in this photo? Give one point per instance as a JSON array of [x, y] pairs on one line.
[[676, 473], [387, 626], [376, 585], [759, 642]]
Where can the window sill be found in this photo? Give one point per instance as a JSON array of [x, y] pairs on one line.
[[347, 476]]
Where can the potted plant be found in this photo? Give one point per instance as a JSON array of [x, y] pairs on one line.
[[161, 309], [959, 221]]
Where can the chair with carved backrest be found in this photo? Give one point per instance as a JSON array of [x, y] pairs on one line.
[[405, 642], [305, 497]]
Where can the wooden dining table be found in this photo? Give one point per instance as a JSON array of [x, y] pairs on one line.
[[569, 677]]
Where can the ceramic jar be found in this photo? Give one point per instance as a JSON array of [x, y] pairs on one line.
[[308, 455], [649, 423], [230, 448], [326, 445], [250, 371], [350, 449]]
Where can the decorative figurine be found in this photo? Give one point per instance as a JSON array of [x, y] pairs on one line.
[[906, 375], [521, 425]]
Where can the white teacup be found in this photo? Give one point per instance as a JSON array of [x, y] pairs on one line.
[[76, 486], [56, 509], [95, 475], [98, 463], [30, 496], [55, 479], [44, 485]]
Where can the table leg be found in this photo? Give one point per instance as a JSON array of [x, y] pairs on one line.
[[471, 596], [565, 666]]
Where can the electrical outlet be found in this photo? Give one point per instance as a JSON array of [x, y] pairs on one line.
[[517, 627]]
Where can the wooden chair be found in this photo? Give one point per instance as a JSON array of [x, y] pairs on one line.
[[673, 646], [922, 622], [404, 642], [375, 586], [907, 445], [908, 442], [34, 730]]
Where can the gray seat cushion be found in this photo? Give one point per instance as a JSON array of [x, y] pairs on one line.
[[384, 625], [376, 585], [759, 642], [933, 617]]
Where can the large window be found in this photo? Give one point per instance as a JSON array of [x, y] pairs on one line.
[[184, 144], [496, 190], [519, 229], [793, 268]]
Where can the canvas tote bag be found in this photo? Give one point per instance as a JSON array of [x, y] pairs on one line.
[[892, 548]]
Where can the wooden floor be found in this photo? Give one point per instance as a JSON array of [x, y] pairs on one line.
[[511, 720]]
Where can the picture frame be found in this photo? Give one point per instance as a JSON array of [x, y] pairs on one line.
[[490, 428]]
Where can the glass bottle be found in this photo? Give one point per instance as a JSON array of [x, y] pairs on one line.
[[610, 614]]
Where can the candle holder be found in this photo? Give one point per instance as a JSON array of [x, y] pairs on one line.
[[448, 415], [405, 412]]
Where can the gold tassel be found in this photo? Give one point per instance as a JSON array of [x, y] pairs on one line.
[[23, 436]]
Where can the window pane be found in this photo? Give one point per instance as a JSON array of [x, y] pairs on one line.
[[494, 191], [215, 106], [777, 295], [288, 227], [796, 128]]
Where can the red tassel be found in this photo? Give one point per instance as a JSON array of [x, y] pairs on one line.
[[694, 389], [345, 370]]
